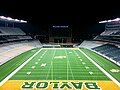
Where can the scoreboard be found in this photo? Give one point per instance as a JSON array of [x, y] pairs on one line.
[[60, 31], [60, 34]]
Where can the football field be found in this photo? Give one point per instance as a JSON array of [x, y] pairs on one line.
[[57, 65]]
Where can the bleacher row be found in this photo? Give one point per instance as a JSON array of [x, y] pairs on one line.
[[12, 34], [112, 29], [111, 33], [109, 50], [13, 41], [7, 38], [110, 46], [10, 50], [11, 31]]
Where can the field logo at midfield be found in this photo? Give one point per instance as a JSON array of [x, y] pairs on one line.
[[60, 85], [59, 57]]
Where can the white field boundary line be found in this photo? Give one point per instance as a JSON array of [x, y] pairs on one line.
[[106, 73], [16, 70]]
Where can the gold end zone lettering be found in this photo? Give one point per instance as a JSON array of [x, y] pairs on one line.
[[77, 85], [42, 85], [92, 85], [65, 84], [62, 85], [56, 84], [28, 85]]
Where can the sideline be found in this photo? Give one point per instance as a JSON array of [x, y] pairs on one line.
[[16, 70], [106, 73]]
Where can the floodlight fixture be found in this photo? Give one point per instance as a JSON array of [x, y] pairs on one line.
[[16, 20], [23, 21], [3, 18], [117, 19], [9, 18]]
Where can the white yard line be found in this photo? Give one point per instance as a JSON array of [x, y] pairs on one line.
[[67, 70], [106, 73], [54, 54], [50, 64], [69, 63], [48, 71], [52, 69], [16, 70]]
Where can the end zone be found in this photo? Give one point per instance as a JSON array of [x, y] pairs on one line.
[[58, 84]]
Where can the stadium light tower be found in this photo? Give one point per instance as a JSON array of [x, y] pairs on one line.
[[117, 19], [9, 19]]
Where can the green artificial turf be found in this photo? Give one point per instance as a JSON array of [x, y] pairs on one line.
[[59, 64], [12, 64], [72, 65]]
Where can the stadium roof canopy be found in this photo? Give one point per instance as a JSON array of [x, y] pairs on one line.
[[9, 19]]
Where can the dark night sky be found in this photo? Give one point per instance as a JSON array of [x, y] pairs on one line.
[[82, 16]]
